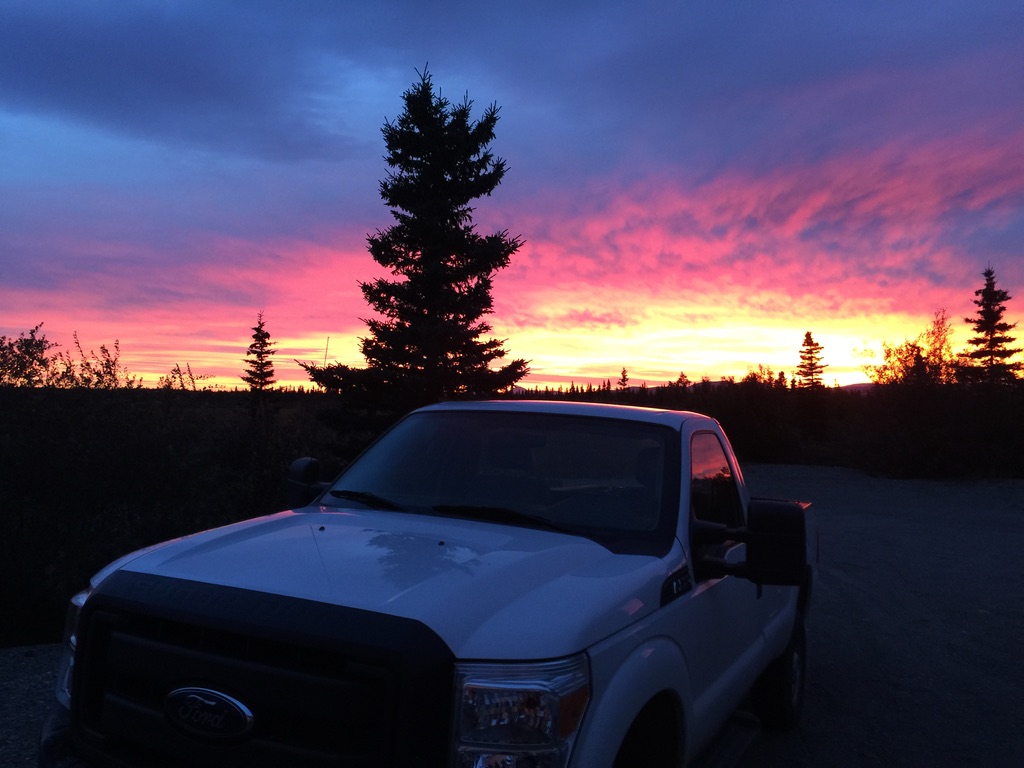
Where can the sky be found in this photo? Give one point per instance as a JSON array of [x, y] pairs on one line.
[[698, 184]]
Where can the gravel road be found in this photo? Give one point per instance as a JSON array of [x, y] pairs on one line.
[[915, 637], [27, 680]]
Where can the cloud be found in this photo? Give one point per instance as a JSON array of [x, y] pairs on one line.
[[878, 216], [230, 79]]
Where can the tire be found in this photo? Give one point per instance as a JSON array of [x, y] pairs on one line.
[[654, 740], [778, 695]]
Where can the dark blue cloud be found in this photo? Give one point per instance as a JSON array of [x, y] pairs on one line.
[[209, 75], [585, 85]]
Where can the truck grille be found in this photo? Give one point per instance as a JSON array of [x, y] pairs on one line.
[[326, 685]]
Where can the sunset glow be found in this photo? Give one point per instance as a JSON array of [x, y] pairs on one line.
[[697, 187]]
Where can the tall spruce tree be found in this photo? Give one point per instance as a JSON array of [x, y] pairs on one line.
[[991, 351], [259, 373], [809, 371], [426, 342]]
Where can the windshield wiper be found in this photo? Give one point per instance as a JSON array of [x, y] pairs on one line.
[[500, 515], [366, 498]]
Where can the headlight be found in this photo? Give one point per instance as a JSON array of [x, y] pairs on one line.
[[67, 660], [519, 715]]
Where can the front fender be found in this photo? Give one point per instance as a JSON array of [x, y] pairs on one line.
[[622, 687]]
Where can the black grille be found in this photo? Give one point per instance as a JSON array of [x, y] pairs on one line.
[[327, 685]]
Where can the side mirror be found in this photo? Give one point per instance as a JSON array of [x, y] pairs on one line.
[[777, 545], [303, 483], [778, 549]]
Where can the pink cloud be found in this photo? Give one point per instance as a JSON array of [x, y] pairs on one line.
[[857, 221]]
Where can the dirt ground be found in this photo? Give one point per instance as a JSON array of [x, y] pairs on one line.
[[916, 635], [27, 679]]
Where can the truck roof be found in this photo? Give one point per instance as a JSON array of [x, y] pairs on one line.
[[664, 416]]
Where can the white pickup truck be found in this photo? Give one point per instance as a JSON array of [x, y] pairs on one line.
[[526, 584]]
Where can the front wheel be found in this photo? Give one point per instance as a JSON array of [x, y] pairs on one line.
[[778, 695], [655, 738]]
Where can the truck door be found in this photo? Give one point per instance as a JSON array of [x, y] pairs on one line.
[[723, 639]]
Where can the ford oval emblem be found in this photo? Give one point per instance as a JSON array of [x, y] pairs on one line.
[[208, 714]]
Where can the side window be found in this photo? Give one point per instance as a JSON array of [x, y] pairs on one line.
[[713, 493]]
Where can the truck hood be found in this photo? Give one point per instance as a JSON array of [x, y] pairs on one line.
[[489, 591]]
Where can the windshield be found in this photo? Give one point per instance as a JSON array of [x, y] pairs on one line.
[[614, 481]]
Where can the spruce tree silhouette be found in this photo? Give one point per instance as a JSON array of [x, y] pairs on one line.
[[259, 374], [991, 344], [810, 369], [427, 342]]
